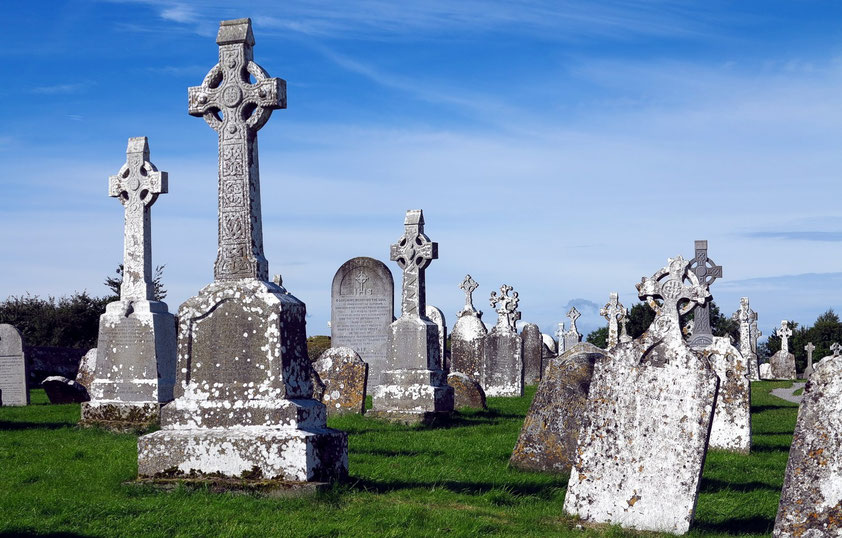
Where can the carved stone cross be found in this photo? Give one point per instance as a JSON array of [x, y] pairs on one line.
[[414, 252], [236, 109], [809, 348], [612, 311], [559, 333], [755, 332], [507, 313], [744, 317], [784, 333], [573, 314], [137, 185], [836, 348], [361, 279], [707, 272], [668, 285], [468, 286], [624, 320]]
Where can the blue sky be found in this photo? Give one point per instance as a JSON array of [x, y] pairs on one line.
[[566, 148]]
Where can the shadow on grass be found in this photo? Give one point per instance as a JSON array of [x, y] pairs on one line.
[[472, 488], [8, 534], [757, 524], [762, 408], [11, 426], [712, 485], [408, 453]]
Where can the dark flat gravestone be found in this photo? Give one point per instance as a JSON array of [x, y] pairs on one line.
[[61, 390], [551, 429], [362, 306], [13, 371], [811, 499]]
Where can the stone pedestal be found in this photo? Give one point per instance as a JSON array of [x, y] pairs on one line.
[[409, 394], [503, 368], [243, 404], [135, 366], [782, 365]]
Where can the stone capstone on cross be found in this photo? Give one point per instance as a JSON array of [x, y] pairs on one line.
[[507, 312]]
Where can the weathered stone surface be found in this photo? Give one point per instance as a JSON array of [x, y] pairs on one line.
[[435, 315], [244, 405], [343, 376], [783, 362], [61, 390], [467, 339], [745, 316], [362, 308], [13, 368], [533, 353], [731, 428], [613, 311], [550, 432], [765, 370], [707, 272], [808, 370], [467, 393], [811, 499], [572, 336], [559, 333], [502, 373], [413, 387], [87, 369], [649, 409]]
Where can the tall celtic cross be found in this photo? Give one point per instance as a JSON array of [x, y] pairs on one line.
[[137, 185], [668, 285], [507, 313], [413, 252], [236, 109], [809, 348], [573, 314], [468, 286], [744, 317], [707, 272], [784, 333], [559, 333], [613, 312]]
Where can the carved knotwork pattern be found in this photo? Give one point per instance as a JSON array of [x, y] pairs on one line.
[[233, 161]]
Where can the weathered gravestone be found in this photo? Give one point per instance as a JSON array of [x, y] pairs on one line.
[[559, 333], [765, 371], [731, 429], [244, 405], [502, 372], [550, 345], [13, 369], [744, 317], [532, 353], [135, 367], [467, 339], [649, 409], [550, 432], [87, 369], [61, 390], [413, 388], [613, 311], [341, 377], [362, 306], [783, 362], [707, 272], [435, 315], [467, 393], [811, 499], [572, 336], [808, 371]]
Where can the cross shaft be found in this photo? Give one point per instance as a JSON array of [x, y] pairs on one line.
[[413, 253]]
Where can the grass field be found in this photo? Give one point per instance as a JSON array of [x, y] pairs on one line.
[[56, 478]]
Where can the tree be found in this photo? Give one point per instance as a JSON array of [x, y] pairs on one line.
[[599, 337], [64, 322], [113, 283]]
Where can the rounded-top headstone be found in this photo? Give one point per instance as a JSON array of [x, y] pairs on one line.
[[467, 345], [362, 308], [13, 375]]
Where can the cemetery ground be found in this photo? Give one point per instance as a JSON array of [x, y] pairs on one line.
[[57, 478]]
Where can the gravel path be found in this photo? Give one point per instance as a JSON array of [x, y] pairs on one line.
[[787, 394]]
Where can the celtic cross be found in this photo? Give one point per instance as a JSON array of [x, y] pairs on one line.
[[744, 317], [707, 272], [809, 348], [668, 285], [507, 313], [361, 279], [836, 348], [137, 185], [784, 332], [413, 252], [236, 109], [755, 332], [573, 314], [612, 311], [559, 333], [468, 286], [624, 320]]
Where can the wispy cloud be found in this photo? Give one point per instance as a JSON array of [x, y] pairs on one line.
[[180, 13], [830, 237], [57, 89]]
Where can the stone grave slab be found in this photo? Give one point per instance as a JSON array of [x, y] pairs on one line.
[[13, 368], [467, 393], [731, 428], [435, 315], [61, 390], [87, 369], [533, 353], [342, 377], [467, 339], [502, 373]]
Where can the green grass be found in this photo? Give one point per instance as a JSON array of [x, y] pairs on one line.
[[58, 478]]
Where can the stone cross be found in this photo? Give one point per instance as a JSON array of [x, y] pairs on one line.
[[361, 279], [755, 332], [707, 272], [414, 252], [137, 185], [668, 285], [573, 314], [507, 314], [809, 348], [624, 320], [468, 286], [559, 334], [744, 317], [784, 332], [236, 109], [612, 311], [836, 348]]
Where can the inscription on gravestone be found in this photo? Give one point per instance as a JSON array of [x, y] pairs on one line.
[[13, 390], [362, 308]]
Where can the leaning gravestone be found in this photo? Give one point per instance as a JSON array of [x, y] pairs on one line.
[[613, 311], [467, 339], [342, 377], [135, 368], [13, 371], [811, 499], [744, 317], [650, 407], [783, 362], [533, 347], [435, 315], [731, 429], [550, 432], [244, 405], [362, 306], [413, 388], [502, 372]]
